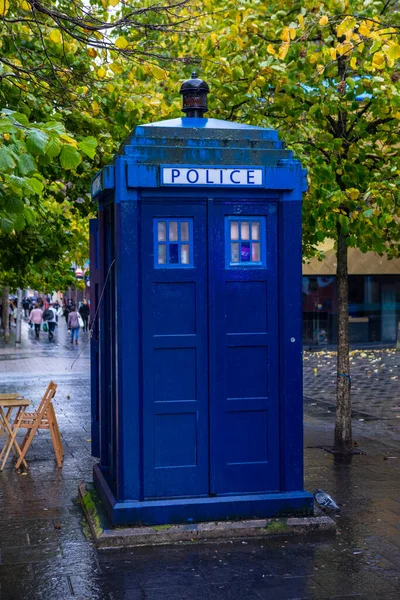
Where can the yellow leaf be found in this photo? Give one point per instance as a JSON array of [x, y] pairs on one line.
[[6, 136], [323, 21], [364, 29], [155, 102], [68, 140], [270, 49], [113, 2], [115, 68], [213, 38], [378, 60], [332, 52], [158, 72], [353, 193], [260, 81], [344, 48], [55, 35], [353, 62], [95, 107], [292, 33], [121, 43], [101, 73], [347, 25], [285, 35], [314, 57], [91, 52], [110, 88], [394, 51], [320, 69], [300, 19], [25, 5], [4, 6], [283, 50]]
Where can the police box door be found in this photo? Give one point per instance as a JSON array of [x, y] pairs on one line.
[[210, 347], [243, 347]]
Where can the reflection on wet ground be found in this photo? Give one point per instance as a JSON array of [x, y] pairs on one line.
[[45, 553]]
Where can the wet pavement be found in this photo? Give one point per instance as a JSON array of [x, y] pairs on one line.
[[45, 553]]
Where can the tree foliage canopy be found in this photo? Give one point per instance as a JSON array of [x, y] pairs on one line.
[[61, 118], [76, 77], [326, 75]]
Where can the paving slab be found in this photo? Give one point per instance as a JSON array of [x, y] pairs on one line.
[[46, 552]]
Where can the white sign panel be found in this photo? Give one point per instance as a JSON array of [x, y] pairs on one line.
[[212, 176]]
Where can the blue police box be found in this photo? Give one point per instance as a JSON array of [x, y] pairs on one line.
[[197, 349]]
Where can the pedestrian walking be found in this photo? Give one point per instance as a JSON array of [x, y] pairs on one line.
[[73, 325], [14, 312], [84, 311], [36, 317], [66, 313], [50, 317], [25, 306]]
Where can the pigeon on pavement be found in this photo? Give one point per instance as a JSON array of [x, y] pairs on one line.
[[325, 501]]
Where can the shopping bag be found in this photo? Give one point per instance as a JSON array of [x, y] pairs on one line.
[[45, 327], [80, 320]]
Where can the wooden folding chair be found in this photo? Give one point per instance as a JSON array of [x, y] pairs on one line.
[[43, 418]]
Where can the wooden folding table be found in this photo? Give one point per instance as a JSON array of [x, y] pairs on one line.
[[9, 425]]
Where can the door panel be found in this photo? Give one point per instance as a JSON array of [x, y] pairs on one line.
[[175, 351], [243, 325]]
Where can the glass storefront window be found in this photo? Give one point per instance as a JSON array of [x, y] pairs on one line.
[[374, 309]]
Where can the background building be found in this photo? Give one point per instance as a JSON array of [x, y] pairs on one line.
[[374, 299]]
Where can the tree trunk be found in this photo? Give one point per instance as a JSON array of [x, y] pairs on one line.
[[6, 317], [19, 318], [343, 436]]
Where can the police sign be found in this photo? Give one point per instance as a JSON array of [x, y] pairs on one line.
[[242, 176]]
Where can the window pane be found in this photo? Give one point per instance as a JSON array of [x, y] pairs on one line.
[[234, 230], [255, 252], [245, 252], [185, 254], [245, 230], [255, 230], [162, 254], [173, 231], [184, 231], [162, 231], [235, 252], [173, 254]]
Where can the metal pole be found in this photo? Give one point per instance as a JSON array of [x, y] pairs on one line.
[[19, 317]]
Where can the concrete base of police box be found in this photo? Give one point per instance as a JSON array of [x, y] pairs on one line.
[[106, 536]]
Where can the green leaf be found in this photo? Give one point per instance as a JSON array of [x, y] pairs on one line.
[[7, 127], [21, 118], [36, 185], [19, 222], [36, 142], [6, 226], [55, 126], [375, 46], [29, 215], [26, 164], [53, 148], [13, 205], [6, 160], [69, 157], [88, 145], [350, 81]]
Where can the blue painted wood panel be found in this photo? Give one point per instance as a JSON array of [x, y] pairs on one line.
[[175, 361], [94, 339], [243, 355]]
